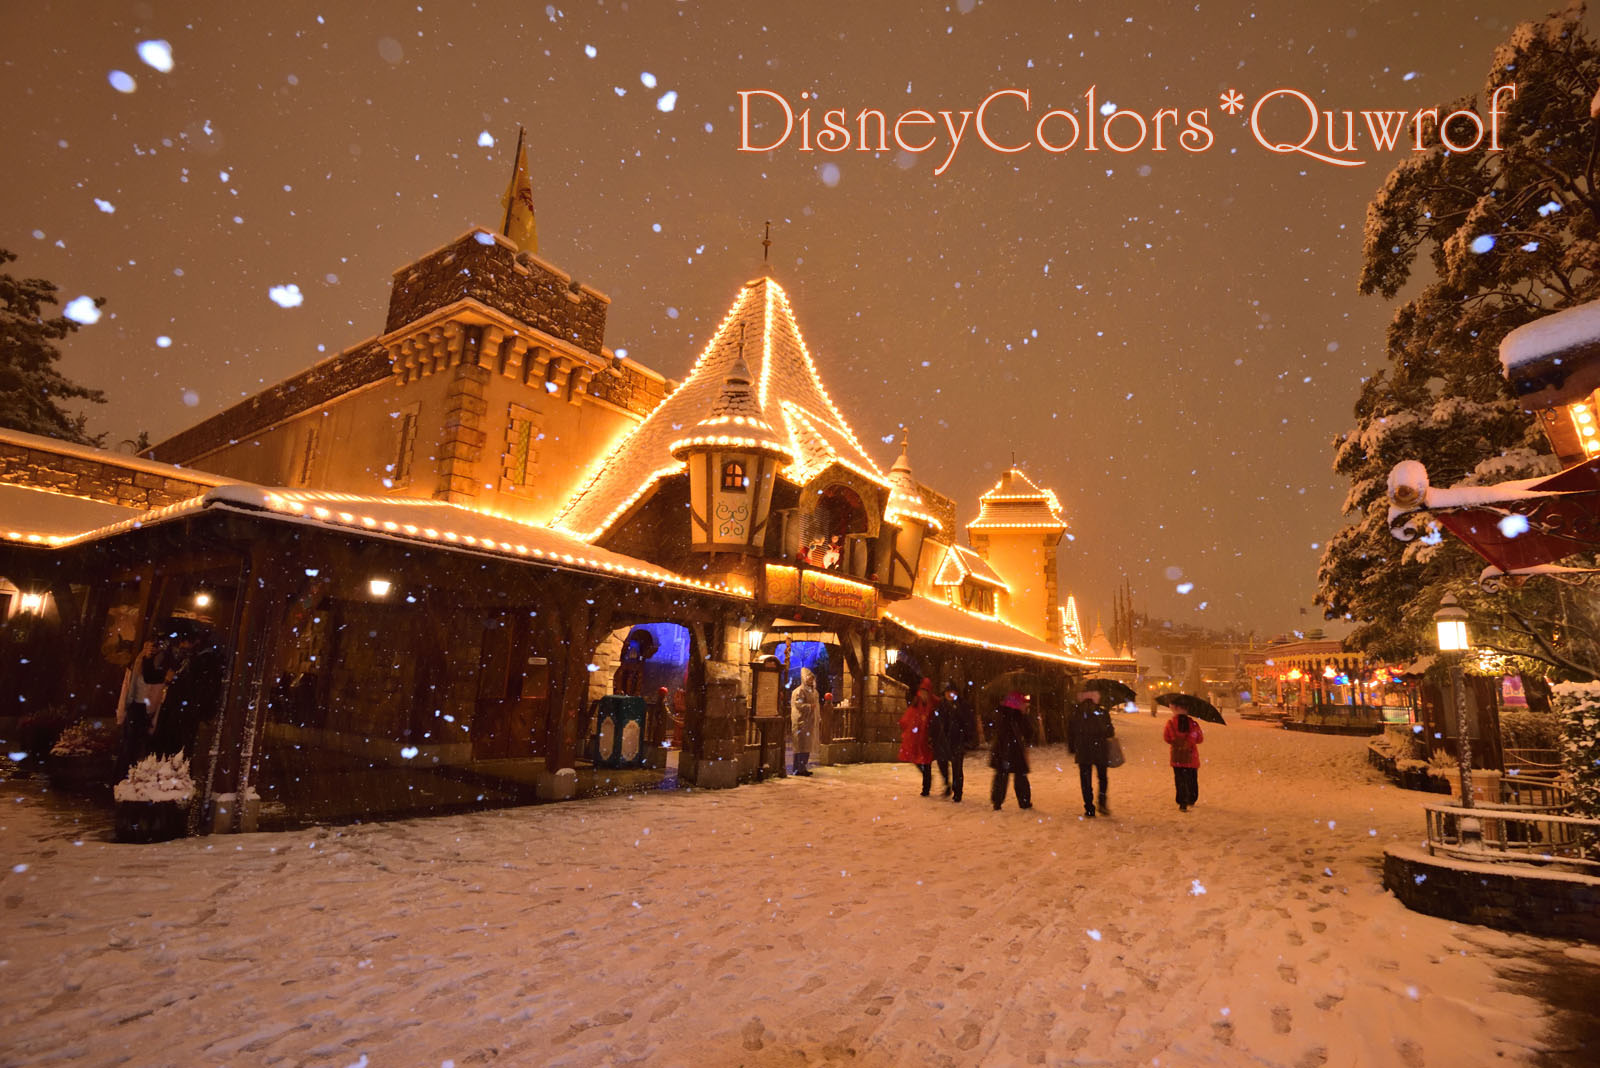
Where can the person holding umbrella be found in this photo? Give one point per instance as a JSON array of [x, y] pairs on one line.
[[1184, 735], [1089, 732]]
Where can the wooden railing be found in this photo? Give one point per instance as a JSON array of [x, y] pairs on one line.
[[843, 722], [1533, 761], [1538, 793], [1499, 833]]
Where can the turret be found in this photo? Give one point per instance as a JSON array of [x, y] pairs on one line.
[[906, 523], [734, 457]]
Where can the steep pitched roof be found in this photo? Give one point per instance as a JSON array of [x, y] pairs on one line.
[[1018, 501], [789, 398], [961, 563]]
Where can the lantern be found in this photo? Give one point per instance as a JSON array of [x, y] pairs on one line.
[[1451, 620]]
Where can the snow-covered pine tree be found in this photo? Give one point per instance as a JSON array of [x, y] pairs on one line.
[[31, 389], [1578, 705], [1509, 236]]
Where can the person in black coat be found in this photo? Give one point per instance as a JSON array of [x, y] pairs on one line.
[[1088, 730], [951, 729], [1013, 733]]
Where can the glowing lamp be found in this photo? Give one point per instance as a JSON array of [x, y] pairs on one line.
[[1328, 672], [891, 656], [379, 587], [202, 600], [1451, 620], [754, 636], [31, 602], [1295, 674]]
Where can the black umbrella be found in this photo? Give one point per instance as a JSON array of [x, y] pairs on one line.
[[1198, 707], [182, 628], [1111, 691], [907, 670]]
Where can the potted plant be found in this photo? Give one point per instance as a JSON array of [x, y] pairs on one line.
[[153, 801], [84, 756]]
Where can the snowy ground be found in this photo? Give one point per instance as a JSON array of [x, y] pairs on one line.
[[831, 920]]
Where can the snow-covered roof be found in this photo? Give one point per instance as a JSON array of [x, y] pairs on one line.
[[935, 619], [1017, 501], [1556, 359], [1555, 333], [41, 516], [438, 523], [1100, 645], [960, 563], [788, 394], [97, 455]]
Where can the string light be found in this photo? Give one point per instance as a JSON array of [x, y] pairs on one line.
[[1042, 653], [300, 503]]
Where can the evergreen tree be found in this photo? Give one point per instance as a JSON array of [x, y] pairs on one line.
[[31, 389], [1510, 236]]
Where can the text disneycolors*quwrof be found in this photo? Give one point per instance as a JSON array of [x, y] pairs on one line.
[[1008, 121]]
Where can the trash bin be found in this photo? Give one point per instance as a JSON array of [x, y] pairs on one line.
[[619, 732]]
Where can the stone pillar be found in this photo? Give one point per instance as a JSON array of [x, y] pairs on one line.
[[720, 741], [462, 442]]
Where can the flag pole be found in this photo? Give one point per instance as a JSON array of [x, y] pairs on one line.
[[511, 195]]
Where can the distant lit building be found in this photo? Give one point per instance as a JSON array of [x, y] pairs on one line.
[[478, 557]]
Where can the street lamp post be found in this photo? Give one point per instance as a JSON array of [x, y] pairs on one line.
[[1454, 641]]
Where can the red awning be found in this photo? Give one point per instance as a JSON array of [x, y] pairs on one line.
[[1557, 526]]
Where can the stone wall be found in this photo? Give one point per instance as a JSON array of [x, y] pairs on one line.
[[1512, 898], [26, 460], [494, 273], [317, 385]]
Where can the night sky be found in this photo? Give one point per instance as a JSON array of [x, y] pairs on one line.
[[1170, 340]]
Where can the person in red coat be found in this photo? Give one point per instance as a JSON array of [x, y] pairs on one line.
[[915, 747], [1183, 734]]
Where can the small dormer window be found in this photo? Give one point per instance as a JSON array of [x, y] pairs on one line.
[[733, 480]]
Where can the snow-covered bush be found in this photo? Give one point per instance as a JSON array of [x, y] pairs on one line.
[[1578, 704], [1529, 728], [89, 737], [157, 778]]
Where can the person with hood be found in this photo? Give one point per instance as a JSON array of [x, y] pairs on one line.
[[804, 706], [915, 747], [1013, 734], [1183, 734], [951, 730], [1088, 731]]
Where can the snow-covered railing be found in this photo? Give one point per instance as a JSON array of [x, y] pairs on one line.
[[1526, 762], [1500, 833], [1534, 792]]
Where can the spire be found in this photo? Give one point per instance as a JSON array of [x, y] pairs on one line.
[[519, 223], [902, 466], [766, 247], [737, 398]]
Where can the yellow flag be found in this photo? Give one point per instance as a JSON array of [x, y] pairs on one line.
[[520, 224]]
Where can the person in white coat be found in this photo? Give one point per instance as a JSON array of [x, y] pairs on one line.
[[143, 689], [804, 707]]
